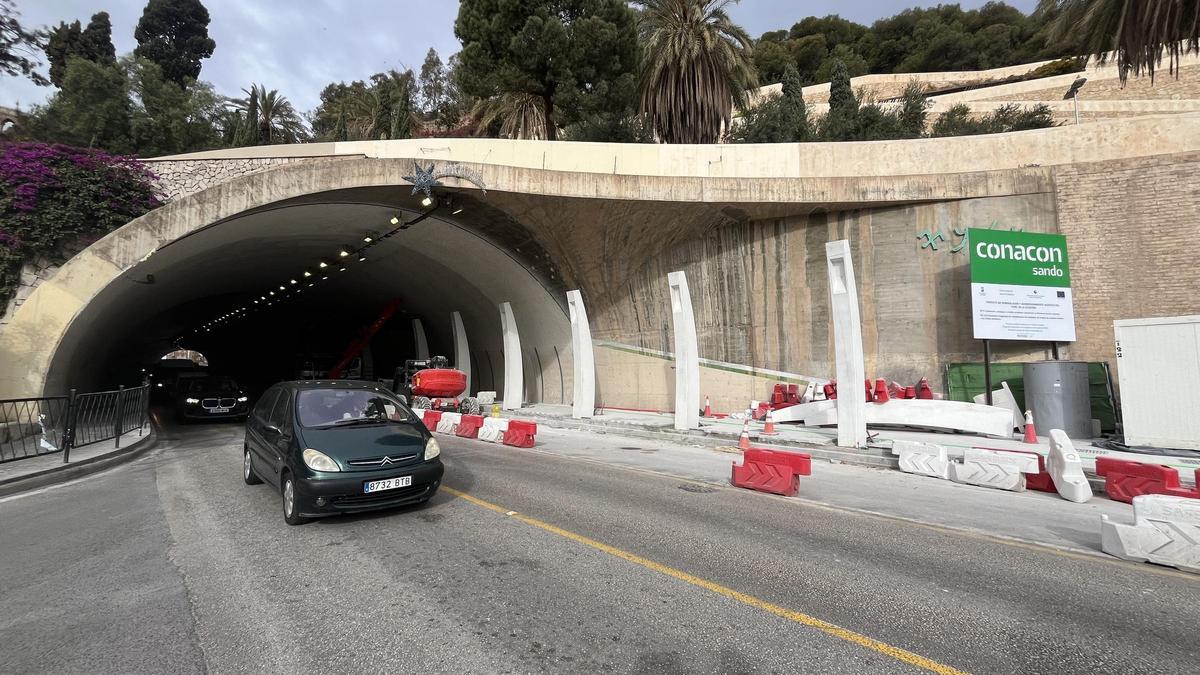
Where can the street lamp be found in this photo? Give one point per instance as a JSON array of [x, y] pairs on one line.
[[1073, 94]]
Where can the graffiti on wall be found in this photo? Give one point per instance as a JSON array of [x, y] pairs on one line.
[[930, 238]]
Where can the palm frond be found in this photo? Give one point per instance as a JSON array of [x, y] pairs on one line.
[[1138, 34]]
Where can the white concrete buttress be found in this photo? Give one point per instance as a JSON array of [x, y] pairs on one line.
[[419, 339], [687, 354], [462, 350], [584, 395], [847, 343], [514, 373]]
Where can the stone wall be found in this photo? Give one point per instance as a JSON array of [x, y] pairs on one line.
[[1133, 230], [180, 178]]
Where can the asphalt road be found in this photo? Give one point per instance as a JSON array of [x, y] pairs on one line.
[[530, 562]]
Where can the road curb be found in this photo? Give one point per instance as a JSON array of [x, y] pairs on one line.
[[68, 472], [874, 458]]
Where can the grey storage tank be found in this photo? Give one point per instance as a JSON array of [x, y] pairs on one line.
[[1057, 393]]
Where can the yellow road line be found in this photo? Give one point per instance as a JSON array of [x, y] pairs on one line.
[[792, 615]]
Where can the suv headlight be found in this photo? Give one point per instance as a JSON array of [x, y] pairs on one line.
[[243, 399], [432, 449], [192, 401], [319, 461]]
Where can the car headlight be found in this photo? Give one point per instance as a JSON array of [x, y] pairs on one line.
[[243, 399], [432, 449], [319, 461], [192, 401]]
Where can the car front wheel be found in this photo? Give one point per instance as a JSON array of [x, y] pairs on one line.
[[289, 503]]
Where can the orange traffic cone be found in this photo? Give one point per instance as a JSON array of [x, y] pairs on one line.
[[769, 429], [881, 391], [744, 439], [1030, 430], [707, 407]]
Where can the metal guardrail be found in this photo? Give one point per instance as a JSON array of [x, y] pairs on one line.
[[30, 427]]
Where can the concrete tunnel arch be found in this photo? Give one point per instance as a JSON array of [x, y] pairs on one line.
[[145, 287]]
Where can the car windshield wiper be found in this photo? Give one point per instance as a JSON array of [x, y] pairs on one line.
[[356, 421]]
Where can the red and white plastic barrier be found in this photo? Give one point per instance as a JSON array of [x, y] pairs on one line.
[[771, 471], [516, 433], [1124, 480]]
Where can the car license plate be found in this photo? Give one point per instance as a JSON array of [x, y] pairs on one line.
[[219, 410], [387, 484]]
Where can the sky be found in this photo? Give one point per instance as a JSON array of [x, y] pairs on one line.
[[299, 46]]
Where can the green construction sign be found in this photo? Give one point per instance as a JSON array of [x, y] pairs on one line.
[[1020, 286], [1018, 258]]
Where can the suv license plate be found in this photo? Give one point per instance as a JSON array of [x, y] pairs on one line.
[[219, 410], [387, 484]]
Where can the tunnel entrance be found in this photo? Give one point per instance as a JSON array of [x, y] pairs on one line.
[[282, 291]]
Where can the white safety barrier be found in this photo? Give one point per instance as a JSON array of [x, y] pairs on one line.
[[493, 429], [984, 420], [994, 468], [1165, 531], [1066, 469], [448, 423], [926, 459]]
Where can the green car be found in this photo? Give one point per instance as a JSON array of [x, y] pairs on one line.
[[333, 447]]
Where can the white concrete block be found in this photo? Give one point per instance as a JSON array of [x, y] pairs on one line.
[[847, 343], [583, 401], [462, 349], [493, 429], [1165, 531], [419, 339], [994, 469], [448, 422], [687, 354], [810, 393], [942, 415], [926, 459], [514, 371], [813, 414], [1064, 466], [1003, 398]]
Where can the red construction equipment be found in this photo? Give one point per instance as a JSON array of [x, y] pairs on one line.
[[360, 343]]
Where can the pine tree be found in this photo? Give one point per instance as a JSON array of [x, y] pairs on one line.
[[174, 34]]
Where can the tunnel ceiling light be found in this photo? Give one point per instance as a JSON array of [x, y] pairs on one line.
[[362, 258], [457, 211], [368, 239], [323, 264], [341, 269], [324, 278], [270, 292], [307, 273], [292, 281], [344, 253], [282, 288], [310, 284], [427, 201], [395, 220]]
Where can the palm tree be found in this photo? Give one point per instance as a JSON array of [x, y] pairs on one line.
[[1138, 33], [268, 118], [696, 68], [520, 115]]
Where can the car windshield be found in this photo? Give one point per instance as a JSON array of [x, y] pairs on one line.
[[214, 385], [338, 407]]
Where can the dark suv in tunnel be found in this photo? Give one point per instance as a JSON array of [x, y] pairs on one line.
[[339, 446]]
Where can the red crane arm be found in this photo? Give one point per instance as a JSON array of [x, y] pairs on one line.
[[360, 343]]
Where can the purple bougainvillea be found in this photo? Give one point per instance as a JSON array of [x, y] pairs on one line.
[[52, 196]]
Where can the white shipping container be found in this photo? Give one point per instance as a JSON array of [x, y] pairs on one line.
[[1158, 367]]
